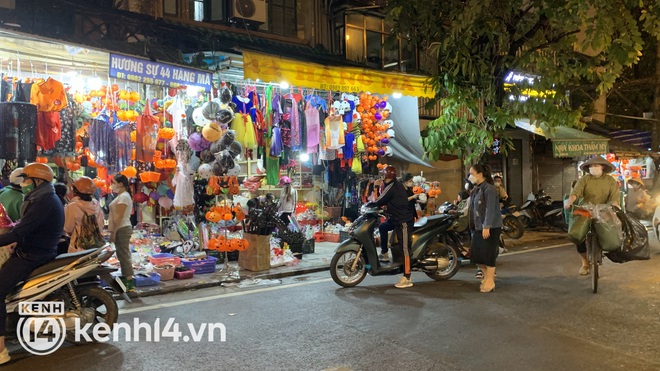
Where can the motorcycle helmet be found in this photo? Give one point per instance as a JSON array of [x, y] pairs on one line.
[[39, 171], [84, 185], [389, 172], [15, 176]]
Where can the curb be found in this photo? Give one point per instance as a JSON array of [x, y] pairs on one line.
[[158, 290]]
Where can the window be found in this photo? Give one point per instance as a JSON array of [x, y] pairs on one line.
[[364, 41], [283, 18], [197, 10], [169, 7]]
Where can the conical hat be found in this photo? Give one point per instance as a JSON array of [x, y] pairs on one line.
[[607, 166]]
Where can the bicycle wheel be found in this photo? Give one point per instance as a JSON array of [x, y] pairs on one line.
[[594, 257]]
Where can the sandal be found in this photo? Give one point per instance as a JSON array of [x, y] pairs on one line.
[[479, 275]]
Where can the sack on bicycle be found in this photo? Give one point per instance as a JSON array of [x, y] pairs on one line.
[[608, 228], [635, 244]]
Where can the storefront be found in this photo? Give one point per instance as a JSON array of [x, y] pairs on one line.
[[199, 147]]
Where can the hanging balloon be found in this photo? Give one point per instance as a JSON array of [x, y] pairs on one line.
[[391, 133], [211, 132], [154, 196], [378, 116], [198, 117], [236, 170], [205, 171], [170, 194], [165, 203], [381, 152], [130, 172], [194, 163], [225, 116], [235, 148], [210, 110], [162, 189], [385, 141], [140, 197], [225, 95]]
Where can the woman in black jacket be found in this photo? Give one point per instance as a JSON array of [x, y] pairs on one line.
[[485, 224]]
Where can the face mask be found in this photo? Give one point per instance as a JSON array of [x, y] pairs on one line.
[[27, 186], [472, 179], [497, 184], [114, 188], [596, 171]]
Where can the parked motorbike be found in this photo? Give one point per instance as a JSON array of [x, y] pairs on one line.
[[358, 255], [539, 210], [459, 235], [512, 226], [73, 279]]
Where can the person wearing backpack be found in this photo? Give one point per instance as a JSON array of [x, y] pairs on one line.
[[83, 217]]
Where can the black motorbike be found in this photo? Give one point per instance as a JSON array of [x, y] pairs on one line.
[[358, 255], [540, 210], [459, 235]]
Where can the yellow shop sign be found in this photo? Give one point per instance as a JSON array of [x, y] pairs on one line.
[[271, 68]]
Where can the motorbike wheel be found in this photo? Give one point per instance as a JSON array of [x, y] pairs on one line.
[[98, 306], [525, 221], [513, 227], [440, 250], [341, 269]]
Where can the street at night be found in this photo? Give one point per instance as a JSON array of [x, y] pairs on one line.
[[542, 316]]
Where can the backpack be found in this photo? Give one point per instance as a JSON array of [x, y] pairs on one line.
[[88, 234]]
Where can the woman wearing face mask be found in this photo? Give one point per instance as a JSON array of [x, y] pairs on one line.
[[485, 224], [595, 187], [636, 195], [119, 225]]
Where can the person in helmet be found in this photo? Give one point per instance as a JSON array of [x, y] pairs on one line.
[[288, 199], [395, 198], [83, 203], [12, 197], [35, 237]]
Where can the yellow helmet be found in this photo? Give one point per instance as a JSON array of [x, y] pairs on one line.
[[39, 171]]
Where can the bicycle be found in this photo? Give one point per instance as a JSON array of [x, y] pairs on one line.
[[594, 251]]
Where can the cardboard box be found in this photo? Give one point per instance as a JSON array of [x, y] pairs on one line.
[[257, 256]]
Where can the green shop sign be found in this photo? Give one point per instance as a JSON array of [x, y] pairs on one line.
[[576, 148]]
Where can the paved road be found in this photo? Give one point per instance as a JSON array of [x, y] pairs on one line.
[[542, 316]]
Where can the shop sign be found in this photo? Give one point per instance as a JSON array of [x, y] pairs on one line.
[[575, 148], [155, 73], [271, 68]]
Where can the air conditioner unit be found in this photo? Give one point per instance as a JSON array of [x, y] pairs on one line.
[[253, 10]]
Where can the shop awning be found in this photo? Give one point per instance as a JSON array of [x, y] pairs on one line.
[[568, 142], [271, 68]]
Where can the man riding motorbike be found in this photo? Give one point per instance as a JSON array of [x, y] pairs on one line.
[[395, 197], [35, 237]]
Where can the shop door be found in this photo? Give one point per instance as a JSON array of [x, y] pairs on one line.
[[514, 179]]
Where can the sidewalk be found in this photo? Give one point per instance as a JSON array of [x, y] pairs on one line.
[[317, 262]]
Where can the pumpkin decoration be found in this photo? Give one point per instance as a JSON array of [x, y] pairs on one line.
[[211, 132], [417, 190], [133, 136], [213, 217], [166, 133]]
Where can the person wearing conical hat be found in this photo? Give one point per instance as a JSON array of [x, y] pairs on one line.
[[595, 187], [636, 197]]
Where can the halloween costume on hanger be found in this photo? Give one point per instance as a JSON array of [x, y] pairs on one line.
[[50, 98]]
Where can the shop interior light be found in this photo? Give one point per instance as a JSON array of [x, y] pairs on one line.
[[192, 91], [396, 95], [94, 83], [284, 85], [78, 83], [304, 157]]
